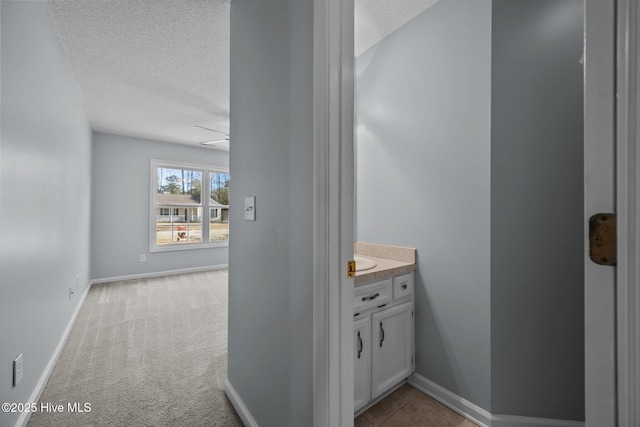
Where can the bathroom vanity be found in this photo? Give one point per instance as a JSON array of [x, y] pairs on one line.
[[383, 327]]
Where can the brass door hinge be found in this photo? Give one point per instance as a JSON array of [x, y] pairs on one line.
[[351, 269], [603, 239]]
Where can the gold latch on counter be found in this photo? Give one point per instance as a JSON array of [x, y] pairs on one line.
[[351, 269]]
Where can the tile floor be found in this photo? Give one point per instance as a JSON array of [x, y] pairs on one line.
[[409, 407]]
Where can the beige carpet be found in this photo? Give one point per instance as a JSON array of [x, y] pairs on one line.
[[149, 352]]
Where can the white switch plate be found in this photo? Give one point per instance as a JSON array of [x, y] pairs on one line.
[[250, 208], [17, 370]]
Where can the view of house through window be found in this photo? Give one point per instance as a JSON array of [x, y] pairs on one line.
[[182, 205]]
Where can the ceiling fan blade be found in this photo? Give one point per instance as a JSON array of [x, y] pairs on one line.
[[213, 130], [215, 141]]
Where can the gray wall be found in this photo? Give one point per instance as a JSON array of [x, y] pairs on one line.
[[423, 152], [44, 196], [537, 297], [271, 259], [120, 206]]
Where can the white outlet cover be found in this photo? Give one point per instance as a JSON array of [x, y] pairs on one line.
[[17, 370]]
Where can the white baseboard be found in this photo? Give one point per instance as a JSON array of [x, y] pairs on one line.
[[515, 421], [238, 405], [478, 415], [462, 406], [160, 273], [42, 382]]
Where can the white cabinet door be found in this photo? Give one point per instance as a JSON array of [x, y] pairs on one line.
[[392, 342], [362, 362]]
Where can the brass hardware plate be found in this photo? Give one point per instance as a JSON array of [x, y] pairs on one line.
[[603, 239], [351, 269]]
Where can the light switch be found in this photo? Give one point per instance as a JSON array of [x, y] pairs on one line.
[[250, 208]]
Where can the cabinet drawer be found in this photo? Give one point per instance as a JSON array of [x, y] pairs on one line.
[[371, 295], [402, 285]]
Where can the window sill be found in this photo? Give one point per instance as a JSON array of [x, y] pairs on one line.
[[187, 247]]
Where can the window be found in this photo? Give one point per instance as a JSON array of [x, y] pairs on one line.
[[185, 213], [219, 207]]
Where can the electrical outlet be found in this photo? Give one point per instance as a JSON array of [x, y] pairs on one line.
[[17, 370], [143, 257], [71, 292]]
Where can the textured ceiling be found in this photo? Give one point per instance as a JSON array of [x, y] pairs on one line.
[[157, 68], [149, 68]]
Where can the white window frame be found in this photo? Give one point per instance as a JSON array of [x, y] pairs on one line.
[[205, 196]]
